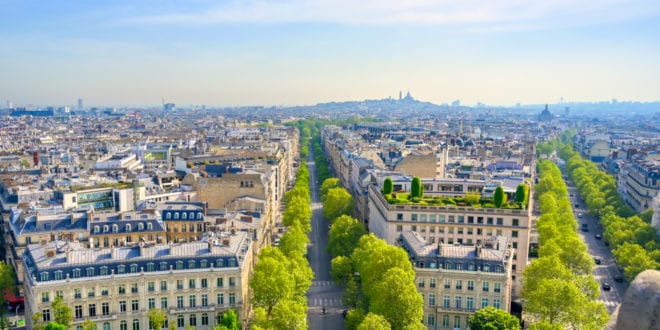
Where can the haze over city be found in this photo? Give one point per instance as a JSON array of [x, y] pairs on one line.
[[305, 52]]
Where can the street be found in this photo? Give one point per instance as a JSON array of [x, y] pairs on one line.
[[323, 293], [607, 269]]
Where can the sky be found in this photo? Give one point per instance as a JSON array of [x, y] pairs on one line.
[[299, 52]]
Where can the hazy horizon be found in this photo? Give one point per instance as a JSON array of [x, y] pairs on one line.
[[287, 53]]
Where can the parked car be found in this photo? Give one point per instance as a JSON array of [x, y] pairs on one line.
[[585, 227], [598, 236], [579, 215], [606, 286], [618, 278], [597, 261]]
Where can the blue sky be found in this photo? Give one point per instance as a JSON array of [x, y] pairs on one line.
[[305, 52]]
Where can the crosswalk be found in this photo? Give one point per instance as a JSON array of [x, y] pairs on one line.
[[320, 302], [610, 303], [321, 283]]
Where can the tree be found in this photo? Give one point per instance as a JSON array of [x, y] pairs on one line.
[[56, 326], [271, 280], [295, 240], [338, 202], [62, 313], [472, 198], [396, 298], [491, 318], [6, 282], [388, 187], [499, 197], [374, 322], [344, 236], [521, 195], [37, 322], [89, 325], [157, 318], [290, 314], [353, 318], [230, 320], [416, 188], [328, 184]]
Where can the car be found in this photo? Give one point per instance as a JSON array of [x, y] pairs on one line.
[[597, 261], [606, 286], [598, 236], [579, 215], [585, 227], [577, 205], [618, 278]]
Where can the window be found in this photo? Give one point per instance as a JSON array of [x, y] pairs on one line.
[[399, 228], [78, 311], [458, 302], [232, 298], [122, 306], [91, 292], [150, 267], [470, 285], [193, 319], [135, 306], [447, 284], [413, 217], [45, 315], [115, 228], [205, 300], [151, 286], [58, 275], [232, 281], [163, 285], [104, 290], [163, 266], [205, 283], [105, 308], [43, 276], [500, 221], [514, 233], [191, 264], [432, 218], [134, 268], [420, 282], [496, 303], [163, 302], [205, 319], [192, 301], [134, 288], [77, 293], [451, 219], [106, 325], [121, 289], [461, 219], [489, 220], [180, 321], [486, 268], [515, 222], [221, 299], [431, 300], [179, 301], [445, 302], [136, 324], [469, 301], [104, 270], [459, 284], [484, 302], [191, 283], [485, 286], [445, 321], [203, 264], [457, 322], [121, 269], [219, 282], [123, 325], [497, 287], [432, 283], [151, 302], [179, 284], [59, 293], [92, 310], [76, 273], [179, 264]]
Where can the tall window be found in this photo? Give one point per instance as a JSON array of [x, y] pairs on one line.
[[432, 283], [78, 311], [221, 299], [205, 300], [497, 287], [136, 324], [192, 320], [105, 308], [180, 321], [192, 300], [232, 298], [205, 319], [459, 284], [163, 302], [163, 285], [470, 285], [485, 286], [123, 325], [45, 315], [179, 301], [219, 282], [484, 302], [135, 306], [152, 303], [496, 303], [446, 302], [469, 301], [122, 306], [92, 310], [445, 321], [457, 322], [431, 300]]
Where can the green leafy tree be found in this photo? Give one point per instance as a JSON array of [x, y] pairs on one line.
[[521, 194], [499, 198], [56, 326], [157, 318], [328, 184], [396, 298], [344, 235], [374, 322], [416, 188], [271, 280], [388, 187], [6, 282], [295, 240], [353, 318], [62, 313], [89, 325], [472, 198], [491, 318], [290, 314], [230, 320], [338, 202], [37, 322]]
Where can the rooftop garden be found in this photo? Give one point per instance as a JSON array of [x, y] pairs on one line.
[[470, 199]]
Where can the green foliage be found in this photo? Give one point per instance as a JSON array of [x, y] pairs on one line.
[[271, 280], [55, 326], [157, 318], [230, 320], [62, 313], [290, 314], [416, 188], [374, 322], [499, 197], [328, 184], [388, 187], [344, 236], [491, 318], [472, 198], [633, 259], [342, 270], [294, 241], [396, 298], [354, 318], [521, 195], [89, 325], [37, 322], [338, 202], [647, 215]]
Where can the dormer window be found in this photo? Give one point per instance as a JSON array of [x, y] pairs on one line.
[[106, 228], [97, 229], [115, 228], [176, 216], [150, 226], [128, 227], [168, 215], [140, 226], [191, 215], [184, 216]]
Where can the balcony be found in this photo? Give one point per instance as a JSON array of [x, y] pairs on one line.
[[466, 311], [197, 309]]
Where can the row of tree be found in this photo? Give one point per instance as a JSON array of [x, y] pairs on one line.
[[378, 278], [633, 240], [282, 274], [558, 288]]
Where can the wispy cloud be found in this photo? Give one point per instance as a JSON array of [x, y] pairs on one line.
[[466, 14]]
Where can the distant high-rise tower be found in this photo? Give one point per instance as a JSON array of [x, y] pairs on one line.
[[80, 104]]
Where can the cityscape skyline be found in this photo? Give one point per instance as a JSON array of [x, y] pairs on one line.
[[298, 53]]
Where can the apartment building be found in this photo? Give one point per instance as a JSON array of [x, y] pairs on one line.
[[116, 287], [457, 280]]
